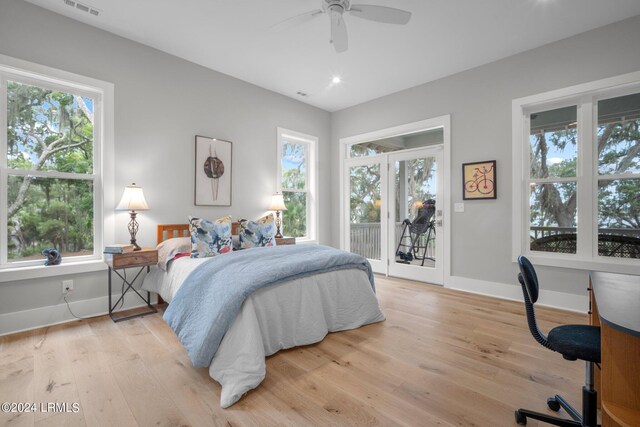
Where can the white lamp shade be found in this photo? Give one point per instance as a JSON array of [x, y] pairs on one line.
[[277, 203], [132, 199]]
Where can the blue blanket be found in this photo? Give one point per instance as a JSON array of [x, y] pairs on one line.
[[210, 298]]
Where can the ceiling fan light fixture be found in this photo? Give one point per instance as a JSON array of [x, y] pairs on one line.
[[336, 9]]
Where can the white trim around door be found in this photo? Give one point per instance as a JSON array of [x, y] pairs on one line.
[[443, 122]]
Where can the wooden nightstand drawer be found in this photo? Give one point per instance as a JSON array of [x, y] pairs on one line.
[[285, 241], [139, 258]]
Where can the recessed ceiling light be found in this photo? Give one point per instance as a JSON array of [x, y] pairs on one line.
[[336, 80]]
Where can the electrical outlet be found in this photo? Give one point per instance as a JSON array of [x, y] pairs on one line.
[[67, 286]]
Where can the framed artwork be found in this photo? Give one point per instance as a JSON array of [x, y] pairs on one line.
[[479, 180], [213, 172]]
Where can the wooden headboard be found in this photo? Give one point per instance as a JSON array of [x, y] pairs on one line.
[[171, 230], [168, 231]]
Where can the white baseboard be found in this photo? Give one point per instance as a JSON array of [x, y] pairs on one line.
[[55, 314], [561, 300], [25, 320]]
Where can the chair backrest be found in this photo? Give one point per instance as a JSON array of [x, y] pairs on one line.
[[529, 281]]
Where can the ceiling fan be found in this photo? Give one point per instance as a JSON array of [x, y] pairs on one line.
[[337, 8]]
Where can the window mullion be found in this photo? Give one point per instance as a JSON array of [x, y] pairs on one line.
[[3, 171], [526, 184], [551, 180], [587, 216], [279, 162], [52, 174], [615, 177]]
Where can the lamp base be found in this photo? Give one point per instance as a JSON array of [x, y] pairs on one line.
[[133, 230], [278, 224]]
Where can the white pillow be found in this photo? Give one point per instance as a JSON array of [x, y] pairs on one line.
[[168, 250]]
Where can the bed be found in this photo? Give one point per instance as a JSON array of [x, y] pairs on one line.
[[289, 312]]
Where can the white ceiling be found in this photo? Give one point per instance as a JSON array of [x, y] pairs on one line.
[[443, 37]]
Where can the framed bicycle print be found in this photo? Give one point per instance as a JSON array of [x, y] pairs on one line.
[[479, 180]]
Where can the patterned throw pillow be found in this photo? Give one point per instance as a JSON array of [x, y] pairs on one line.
[[257, 233], [209, 238]]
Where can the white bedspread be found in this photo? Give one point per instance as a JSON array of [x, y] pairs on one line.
[[289, 314]]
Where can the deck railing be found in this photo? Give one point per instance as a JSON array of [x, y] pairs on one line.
[[540, 232], [365, 237], [365, 240]]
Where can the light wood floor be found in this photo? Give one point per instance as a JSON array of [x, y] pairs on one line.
[[441, 358]]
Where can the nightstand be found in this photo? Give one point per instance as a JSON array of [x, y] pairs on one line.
[[119, 263], [285, 241]]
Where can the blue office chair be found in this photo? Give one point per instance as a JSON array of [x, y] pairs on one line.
[[573, 342]]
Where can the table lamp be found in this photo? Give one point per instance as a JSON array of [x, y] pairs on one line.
[[277, 205], [133, 200]]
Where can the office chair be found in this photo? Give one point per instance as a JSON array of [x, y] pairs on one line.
[[573, 342]]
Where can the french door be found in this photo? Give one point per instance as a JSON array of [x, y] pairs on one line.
[[366, 208], [415, 215], [394, 211]]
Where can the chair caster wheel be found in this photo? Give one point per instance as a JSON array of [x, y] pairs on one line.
[[521, 419], [553, 404]]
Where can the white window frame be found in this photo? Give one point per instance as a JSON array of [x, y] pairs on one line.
[[103, 165], [311, 179], [586, 97]]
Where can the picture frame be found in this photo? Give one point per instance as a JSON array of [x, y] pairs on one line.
[[213, 166], [479, 180]]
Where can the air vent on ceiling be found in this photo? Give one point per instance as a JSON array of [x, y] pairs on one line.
[[302, 93], [82, 7]]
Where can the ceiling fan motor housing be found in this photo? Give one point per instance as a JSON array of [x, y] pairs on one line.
[[338, 6]]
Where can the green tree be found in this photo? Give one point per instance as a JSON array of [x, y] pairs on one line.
[[294, 219], [48, 130], [618, 152]]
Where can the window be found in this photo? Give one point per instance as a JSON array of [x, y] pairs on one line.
[[50, 168], [577, 176], [553, 159], [297, 180]]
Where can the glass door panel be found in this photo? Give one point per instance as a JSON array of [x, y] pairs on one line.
[[366, 222], [416, 215]]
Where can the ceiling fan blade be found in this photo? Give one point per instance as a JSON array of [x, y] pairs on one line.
[[296, 20], [388, 15], [339, 36]]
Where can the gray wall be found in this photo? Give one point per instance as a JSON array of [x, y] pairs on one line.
[[161, 103], [479, 101]]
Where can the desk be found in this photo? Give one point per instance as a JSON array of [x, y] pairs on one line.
[[616, 300]]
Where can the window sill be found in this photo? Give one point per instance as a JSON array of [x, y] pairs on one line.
[[613, 265], [38, 271]]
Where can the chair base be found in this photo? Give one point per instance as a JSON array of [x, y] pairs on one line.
[[589, 417], [523, 414]]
